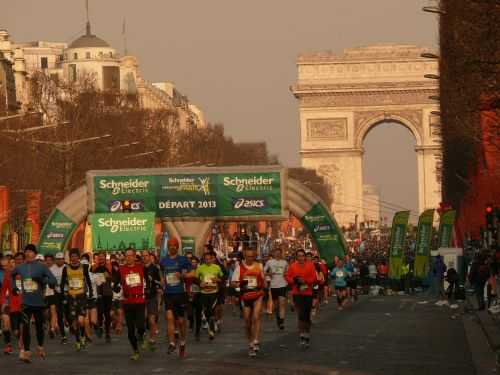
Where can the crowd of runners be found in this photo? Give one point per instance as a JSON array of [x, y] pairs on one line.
[[90, 298]]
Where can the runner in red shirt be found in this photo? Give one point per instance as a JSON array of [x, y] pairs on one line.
[[10, 304], [249, 278], [301, 276], [134, 304]]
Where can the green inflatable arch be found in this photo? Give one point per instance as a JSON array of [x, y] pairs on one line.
[[229, 188]]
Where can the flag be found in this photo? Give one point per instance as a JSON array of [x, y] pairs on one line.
[[398, 239], [446, 228], [423, 245]]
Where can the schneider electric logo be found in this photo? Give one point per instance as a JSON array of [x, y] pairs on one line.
[[130, 186], [254, 183], [188, 184], [123, 225], [249, 203]]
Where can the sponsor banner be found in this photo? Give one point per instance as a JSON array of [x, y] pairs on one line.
[[187, 195], [188, 244], [5, 237], [423, 245], [55, 233], [111, 191], [248, 194], [119, 231], [221, 195], [446, 228], [325, 232], [398, 240], [33, 203]]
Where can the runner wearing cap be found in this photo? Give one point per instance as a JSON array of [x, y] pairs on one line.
[[275, 269], [249, 278], [33, 278], [153, 278], [57, 270], [75, 281], [174, 268]]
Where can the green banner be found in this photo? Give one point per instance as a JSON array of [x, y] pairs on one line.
[[188, 244], [119, 231], [248, 194], [110, 191], [55, 233], [446, 228], [398, 239], [423, 245], [220, 195], [325, 233]]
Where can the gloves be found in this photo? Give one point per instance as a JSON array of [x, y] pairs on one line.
[[117, 288], [15, 291]]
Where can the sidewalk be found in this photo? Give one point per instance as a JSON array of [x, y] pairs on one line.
[[489, 323]]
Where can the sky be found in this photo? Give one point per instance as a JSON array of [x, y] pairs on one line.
[[235, 59]]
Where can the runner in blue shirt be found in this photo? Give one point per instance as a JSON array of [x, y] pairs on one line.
[[174, 268], [340, 274]]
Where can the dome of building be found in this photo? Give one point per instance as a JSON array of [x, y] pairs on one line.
[[89, 40]]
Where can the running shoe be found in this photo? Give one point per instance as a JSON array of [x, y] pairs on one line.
[[211, 334], [78, 346], [256, 347], [7, 349], [251, 352], [25, 356], [41, 352], [281, 326], [171, 348], [182, 351], [307, 342], [135, 356], [64, 340]]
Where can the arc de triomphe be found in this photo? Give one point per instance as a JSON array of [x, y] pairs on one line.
[[342, 97]]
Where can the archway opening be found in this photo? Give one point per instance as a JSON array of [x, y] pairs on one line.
[[390, 175]]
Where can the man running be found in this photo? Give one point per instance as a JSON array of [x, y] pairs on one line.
[[276, 269], [33, 278], [194, 309], [105, 276], [132, 284], [301, 276], [209, 276], [75, 281], [174, 268], [57, 270], [249, 277], [153, 282]]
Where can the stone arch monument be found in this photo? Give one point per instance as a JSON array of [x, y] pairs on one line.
[[342, 97]]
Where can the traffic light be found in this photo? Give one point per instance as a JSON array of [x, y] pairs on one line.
[[126, 206], [490, 216]]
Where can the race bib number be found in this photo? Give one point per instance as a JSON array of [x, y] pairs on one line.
[[30, 286], [49, 292], [195, 288], [209, 280], [173, 279], [339, 274], [251, 282], [279, 270], [303, 287], [100, 279], [19, 284], [133, 279], [75, 283]]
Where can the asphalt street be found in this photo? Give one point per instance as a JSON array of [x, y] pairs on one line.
[[379, 335]]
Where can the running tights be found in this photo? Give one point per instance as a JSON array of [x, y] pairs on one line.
[[135, 317], [29, 312]]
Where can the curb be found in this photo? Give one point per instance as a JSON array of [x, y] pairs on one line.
[[490, 327]]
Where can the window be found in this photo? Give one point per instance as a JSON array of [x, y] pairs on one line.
[[87, 55], [72, 72], [44, 62], [75, 56]]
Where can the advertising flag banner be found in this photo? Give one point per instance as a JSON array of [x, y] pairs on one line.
[[325, 232], [398, 239], [33, 203], [56, 232], [117, 232], [423, 245], [446, 228], [5, 237]]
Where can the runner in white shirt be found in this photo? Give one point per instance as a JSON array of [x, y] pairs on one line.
[[57, 270], [275, 269]]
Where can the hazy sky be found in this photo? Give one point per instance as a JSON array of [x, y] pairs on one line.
[[235, 59]]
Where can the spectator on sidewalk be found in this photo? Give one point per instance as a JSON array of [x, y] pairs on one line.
[[438, 269], [478, 276]]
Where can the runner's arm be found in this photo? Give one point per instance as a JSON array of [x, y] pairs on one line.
[[86, 275]]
